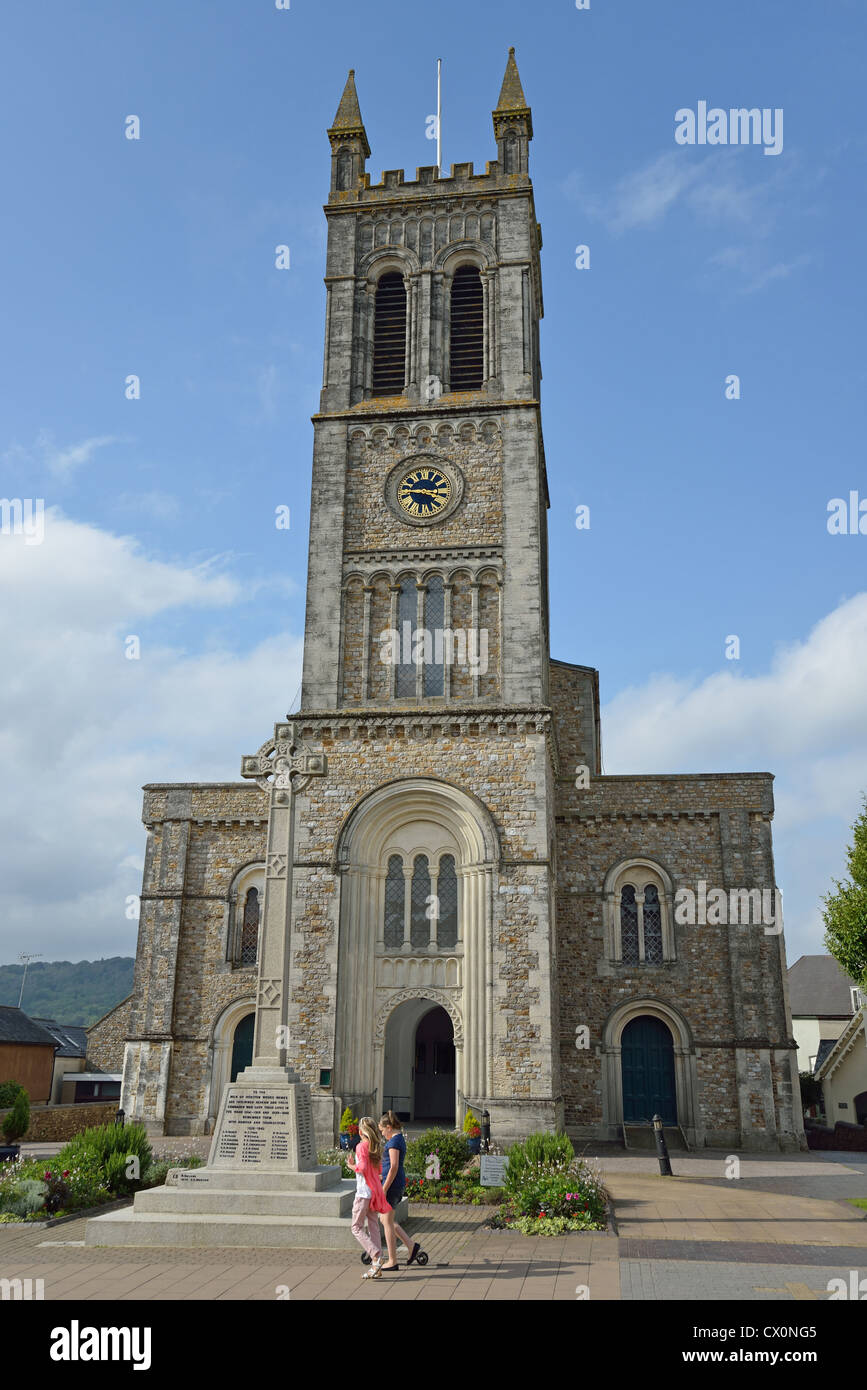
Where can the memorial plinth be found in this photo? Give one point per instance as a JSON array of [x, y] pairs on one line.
[[262, 1186]]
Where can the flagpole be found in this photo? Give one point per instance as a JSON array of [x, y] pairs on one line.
[[439, 116]]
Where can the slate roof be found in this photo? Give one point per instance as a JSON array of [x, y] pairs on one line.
[[16, 1027], [826, 1045], [72, 1039], [818, 988]]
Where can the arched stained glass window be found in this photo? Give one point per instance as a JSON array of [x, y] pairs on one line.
[[250, 928], [447, 892], [628, 925], [652, 925], [394, 902], [419, 933], [407, 618], [434, 621]]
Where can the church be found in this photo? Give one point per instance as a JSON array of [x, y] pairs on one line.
[[423, 894]]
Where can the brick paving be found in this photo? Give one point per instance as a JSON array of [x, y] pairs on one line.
[[778, 1233]]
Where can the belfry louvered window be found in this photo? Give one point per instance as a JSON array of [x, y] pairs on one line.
[[466, 371], [389, 336]]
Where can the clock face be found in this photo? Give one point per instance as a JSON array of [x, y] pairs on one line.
[[423, 492]]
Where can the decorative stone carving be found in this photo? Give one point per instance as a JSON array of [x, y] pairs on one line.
[[282, 763], [395, 997]]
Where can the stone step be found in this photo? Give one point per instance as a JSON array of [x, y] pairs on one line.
[[333, 1202], [642, 1137], [209, 1231], [227, 1179]]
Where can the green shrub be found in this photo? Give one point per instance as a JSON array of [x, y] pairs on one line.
[[25, 1198], [8, 1091], [450, 1148], [156, 1174], [16, 1123], [348, 1122], [552, 1225], [539, 1153], [105, 1152]]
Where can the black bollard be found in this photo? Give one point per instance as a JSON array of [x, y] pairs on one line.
[[486, 1130], [661, 1148], [119, 1117]]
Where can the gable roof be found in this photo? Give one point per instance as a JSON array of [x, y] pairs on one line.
[[16, 1027], [818, 988], [71, 1040], [826, 1045]]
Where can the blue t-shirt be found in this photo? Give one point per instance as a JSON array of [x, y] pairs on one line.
[[399, 1183]]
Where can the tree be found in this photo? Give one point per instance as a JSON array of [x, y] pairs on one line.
[[17, 1121], [845, 913]]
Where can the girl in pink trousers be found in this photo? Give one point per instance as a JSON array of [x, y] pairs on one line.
[[369, 1197]]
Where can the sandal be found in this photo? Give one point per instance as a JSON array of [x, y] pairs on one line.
[[374, 1271]]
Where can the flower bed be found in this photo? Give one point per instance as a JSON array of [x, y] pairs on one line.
[[92, 1170], [458, 1192], [549, 1191]]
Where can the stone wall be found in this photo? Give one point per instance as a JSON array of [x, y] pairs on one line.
[[106, 1038], [53, 1124], [726, 983], [200, 836]]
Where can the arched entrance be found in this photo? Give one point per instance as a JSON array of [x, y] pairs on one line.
[[647, 1057], [242, 1046], [435, 1067], [419, 1075]]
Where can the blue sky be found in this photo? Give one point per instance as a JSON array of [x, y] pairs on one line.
[[156, 257]]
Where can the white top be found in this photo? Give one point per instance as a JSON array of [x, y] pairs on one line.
[[361, 1188]]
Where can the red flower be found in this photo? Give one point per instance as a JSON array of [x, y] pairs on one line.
[[47, 1176], [66, 1172]]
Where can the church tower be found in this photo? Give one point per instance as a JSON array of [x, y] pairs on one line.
[[420, 913]]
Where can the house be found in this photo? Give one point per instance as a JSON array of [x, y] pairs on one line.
[[823, 1001], [843, 1074], [71, 1054], [26, 1053]]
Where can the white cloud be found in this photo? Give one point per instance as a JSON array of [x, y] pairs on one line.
[[82, 728], [803, 720], [716, 193], [61, 462]]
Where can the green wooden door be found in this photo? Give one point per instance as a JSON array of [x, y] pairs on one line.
[[647, 1054], [242, 1047]]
